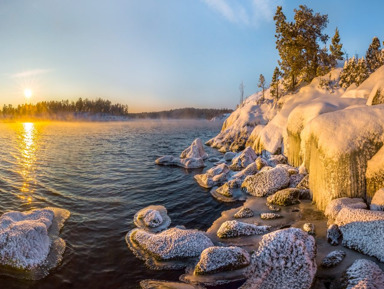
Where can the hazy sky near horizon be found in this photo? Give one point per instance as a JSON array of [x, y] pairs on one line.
[[156, 55]]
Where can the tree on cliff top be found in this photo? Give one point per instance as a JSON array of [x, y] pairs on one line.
[[261, 84]]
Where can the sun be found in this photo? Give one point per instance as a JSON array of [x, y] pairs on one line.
[[27, 93]]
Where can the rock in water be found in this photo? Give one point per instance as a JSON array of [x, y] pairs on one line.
[[218, 259], [270, 216], [246, 157], [335, 206], [244, 213], [333, 234], [170, 244], [213, 176], [377, 203], [188, 163], [266, 182], [333, 259], [363, 274], [231, 229], [195, 150], [286, 197], [309, 228], [228, 156], [152, 218], [285, 259]]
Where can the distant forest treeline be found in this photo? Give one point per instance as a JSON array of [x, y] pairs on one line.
[[99, 109]]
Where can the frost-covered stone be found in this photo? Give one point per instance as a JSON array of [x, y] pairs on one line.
[[333, 259], [213, 176], [251, 169], [260, 163], [377, 203], [275, 160], [152, 218], [243, 160], [273, 208], [363, 274], [218, 259], [157, 284], [231, 229], [244, 212], [266, 182], [362, 230], [333, 234], [286, 197], [334, 207], [295, 180], [284, 259], [228, 156], [195, 150], [270, 216], [309, 228], [188, 163], [304, 183], [26, 238], [170, 244]]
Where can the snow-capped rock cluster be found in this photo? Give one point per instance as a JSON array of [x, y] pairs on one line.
[[245, 158], [152, 218], [231, 229], [363, 274], [214, 176], [286, 197]]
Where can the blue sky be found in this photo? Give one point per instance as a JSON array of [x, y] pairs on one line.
[[152, 54]]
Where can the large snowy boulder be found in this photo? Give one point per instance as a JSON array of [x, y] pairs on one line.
[[266, 182], [363, 274], [188, 163], [377, 203], [170, 244], [217, 259], [337, 147], [334, 207], [246, 157], [375, 173], [152, 218], [195, 150], [286, 197], [231, 229], [214, 176], [285, 259], [27, 238]]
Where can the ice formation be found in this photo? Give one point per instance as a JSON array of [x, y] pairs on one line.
[[195, 150], [285, 259], [29, 239], [363, 274], [215, 259], [266, 182], [214, 176], [246, 157], [333, 259], [334, 207], [231, 229], [152, 218], [377, 203], [244, 212], [286, 197], [375, 173]]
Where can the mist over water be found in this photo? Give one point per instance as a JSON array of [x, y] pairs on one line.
[[103, 173]]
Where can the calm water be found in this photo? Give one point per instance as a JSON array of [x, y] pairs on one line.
[[103, 174]]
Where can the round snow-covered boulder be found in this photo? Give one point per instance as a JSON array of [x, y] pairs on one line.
[[363, 274], [333, 259], [152, 218], [334, 207], [286, 197], [218, 259], [285, 259], [195, 150], [243, 160], [231, 229], [377, 203], [244, 212], [333, 234], [266, 182]]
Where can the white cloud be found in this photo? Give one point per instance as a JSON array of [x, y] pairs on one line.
[[30, 73], [247, 12]]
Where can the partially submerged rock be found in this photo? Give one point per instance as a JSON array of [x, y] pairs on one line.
[[363, 274], [333, 234], [244, 212], [284, 259], [152, 218], [195, 150], [187, 163], [243, 160], [286, 197], [29, 241], [309, 228], [218, 259], [266, 182], [270, 216], [333, 259], [213, 176], [377, 203], [334, 207], [231, 229]]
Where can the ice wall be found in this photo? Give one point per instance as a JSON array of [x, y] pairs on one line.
[[375, 173]]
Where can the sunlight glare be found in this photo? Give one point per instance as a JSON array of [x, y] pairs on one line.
[[27, 93]]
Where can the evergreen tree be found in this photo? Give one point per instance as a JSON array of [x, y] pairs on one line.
[[275, 83], [261, 84], [373, 55], [362, 71], [335, 48]]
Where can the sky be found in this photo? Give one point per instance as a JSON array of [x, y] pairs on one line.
[[156, 54]]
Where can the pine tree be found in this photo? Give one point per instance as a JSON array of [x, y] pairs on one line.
[[362, 71], [373, 55], [275, 83], [261, 84], [348, 74], [335, 48]]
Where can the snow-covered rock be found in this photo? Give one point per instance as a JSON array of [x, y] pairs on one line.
[[218, 259], [188, 163], [309, 228], [270, 216], [170, 244], [27, 238], [304, 183], [157, 284], [244, 212], [251, 169], [286, 197], [266, 182], [275, 160], [228, 156], [213, 176], [285, 259], [195, 150], [231, 229], [333, 234], [152, 218], [334, 207], [333, 259], [246, 157], [377, 203], [260, 163], [375, 173], [363, 274]]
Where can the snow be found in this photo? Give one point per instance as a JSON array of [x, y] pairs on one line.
[[349, 215], [244, 212], [363, 274], [285, 259], [375, 173], [241, 161], [188, 163], [215, 259], [377, 203], [231, 229], [152, 218], [334, 207], [195, 150], [333, 259], [266, 182], [214, 176]]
